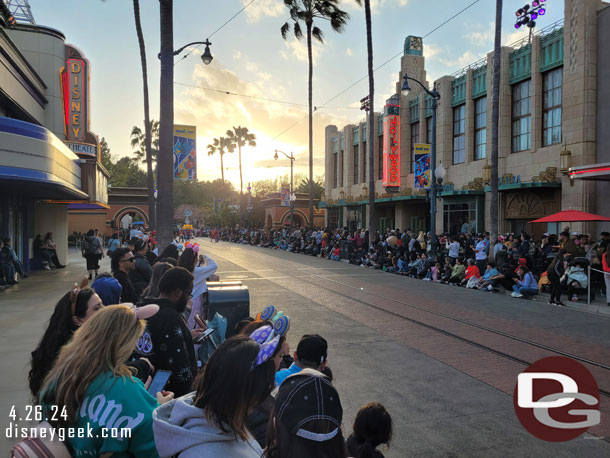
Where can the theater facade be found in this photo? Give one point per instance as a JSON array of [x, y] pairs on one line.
[[554, 94], [49, 158]]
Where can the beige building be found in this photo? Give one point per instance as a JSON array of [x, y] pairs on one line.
[[551, 105]]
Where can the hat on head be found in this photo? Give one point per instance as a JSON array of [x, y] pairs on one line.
[[522, 261], [108, 289], [307, 396], [312, 348]]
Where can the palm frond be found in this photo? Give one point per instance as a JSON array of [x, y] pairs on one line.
[[284, 30], [318, 34], [298, 33]]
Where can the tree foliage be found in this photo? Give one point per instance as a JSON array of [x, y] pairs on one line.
[[138, 142], [124, 171]]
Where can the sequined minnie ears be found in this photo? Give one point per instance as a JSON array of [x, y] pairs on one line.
[[268, 337]]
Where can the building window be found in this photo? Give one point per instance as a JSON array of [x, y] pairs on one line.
[[480, 128], [380, 171], [459, 129], [551, 106], [356, 164], [429, 130], [414, 140], [522, 117], [335, 171], [363, 162]]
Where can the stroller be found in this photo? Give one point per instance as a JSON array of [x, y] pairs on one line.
[[575, 280]]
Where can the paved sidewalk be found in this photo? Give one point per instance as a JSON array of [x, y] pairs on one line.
[[26, 309]]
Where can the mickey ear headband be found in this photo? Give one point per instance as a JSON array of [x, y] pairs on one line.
[[74, 293], [192, 245], [268, 337]]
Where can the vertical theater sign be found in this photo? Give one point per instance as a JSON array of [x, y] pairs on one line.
[[391, 145], [75, 88], [75, 91]]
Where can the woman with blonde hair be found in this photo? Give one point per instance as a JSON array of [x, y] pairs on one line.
[[91, 388]]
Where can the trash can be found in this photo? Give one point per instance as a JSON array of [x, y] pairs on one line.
[[231, 299]]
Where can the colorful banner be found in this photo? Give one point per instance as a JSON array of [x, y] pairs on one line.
[[185, 152], [285, 196], [421, 166], [391, 147]]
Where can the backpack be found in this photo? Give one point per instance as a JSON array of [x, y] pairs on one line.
[[41, 447]]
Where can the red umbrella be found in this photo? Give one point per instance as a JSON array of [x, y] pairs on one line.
[[567, 216]]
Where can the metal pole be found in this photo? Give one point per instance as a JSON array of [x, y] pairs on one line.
[[291, 191], [433, 182], [589, 285]]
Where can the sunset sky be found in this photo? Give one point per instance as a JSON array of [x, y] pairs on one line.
[[251, 58]]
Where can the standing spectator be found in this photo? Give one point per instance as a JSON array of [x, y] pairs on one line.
[[167, 341], [566, 244], [17, 264], [212, 421], [113, 244], [306, 420], [606, 266], [142, 272], [123, 262], [372, 428], [91, 249], [202, 268], [7, 270], [481, 253], [152, 290], [454, 249]]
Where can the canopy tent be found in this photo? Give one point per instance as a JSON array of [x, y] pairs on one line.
[[569, 216]]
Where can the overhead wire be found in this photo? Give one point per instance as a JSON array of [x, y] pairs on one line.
[[217, 30]]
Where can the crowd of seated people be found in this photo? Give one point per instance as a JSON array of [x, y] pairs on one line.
[[518, 264], [99, 357]]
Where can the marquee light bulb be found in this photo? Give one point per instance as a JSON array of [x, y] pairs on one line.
[[541, 11], [535, 3], [517, 25], [534, 15]]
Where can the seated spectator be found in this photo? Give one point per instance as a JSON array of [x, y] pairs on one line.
[[108, 289], [434, 273], [71, 312], [152, 290], [167, 341], [504, 278], [212, 420], [472, 277], [485, 283], [17, 264], [446, 270], [525, 284], [122, 262], [306, 420], [141, 273], [458, 272], [50, 246], [372, 428], [336, 254], [419, 267], [46, 255], [312, 353], [90, 380]]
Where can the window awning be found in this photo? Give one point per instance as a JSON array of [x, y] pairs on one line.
[[597, 172]]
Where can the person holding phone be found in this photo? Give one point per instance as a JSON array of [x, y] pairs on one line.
[[201, 267], [90, 378]]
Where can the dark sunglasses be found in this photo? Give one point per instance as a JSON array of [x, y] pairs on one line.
[[129, 260]]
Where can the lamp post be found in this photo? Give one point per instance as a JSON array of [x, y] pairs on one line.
[[433, 169], [206, 57], [293, 198]]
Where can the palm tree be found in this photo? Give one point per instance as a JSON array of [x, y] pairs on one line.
[[495, 115], [307, 11], [221, 146], [165, 175], [371, 115], [147, 125], [240, 136], [138, 141]]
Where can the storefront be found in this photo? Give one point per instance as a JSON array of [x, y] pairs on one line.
[[463, 211], [524, 202]]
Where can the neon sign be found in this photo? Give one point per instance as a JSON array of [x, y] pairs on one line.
[[391, 147]]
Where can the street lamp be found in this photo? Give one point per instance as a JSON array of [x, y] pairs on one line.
[[434, 170], [293, 198], [206, 57]]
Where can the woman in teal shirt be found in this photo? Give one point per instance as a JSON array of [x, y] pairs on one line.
[[96, 392]]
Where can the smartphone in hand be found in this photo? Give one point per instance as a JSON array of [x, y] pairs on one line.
[[159, 381]]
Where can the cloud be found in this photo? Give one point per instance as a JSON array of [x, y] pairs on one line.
[[510, 38], [236, 54], [431, 51], [349, 52], [465, 59], [376, 5], [215, 112], [482, 35], [261, 8], [298, 48]]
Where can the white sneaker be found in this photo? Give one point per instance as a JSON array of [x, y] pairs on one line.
[[514, 294], [518, 295], [490, 289], [47, 267]]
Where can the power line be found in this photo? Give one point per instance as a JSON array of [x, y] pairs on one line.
[[218, 29]]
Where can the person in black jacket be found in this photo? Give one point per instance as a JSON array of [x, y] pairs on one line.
[[123, 262], [167, 341], [142, 272], [554, 272]]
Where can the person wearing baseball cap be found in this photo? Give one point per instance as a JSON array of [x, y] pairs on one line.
[[306, 419], [312, 353]]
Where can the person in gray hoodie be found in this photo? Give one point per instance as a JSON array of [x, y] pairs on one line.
[[212, 420]]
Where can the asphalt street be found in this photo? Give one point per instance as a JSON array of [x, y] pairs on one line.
[[421, 349]]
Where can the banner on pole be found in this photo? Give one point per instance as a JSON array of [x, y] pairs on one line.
[[421, 167], [185, 152]]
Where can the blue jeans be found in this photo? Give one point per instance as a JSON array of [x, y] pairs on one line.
[[525, 290]]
